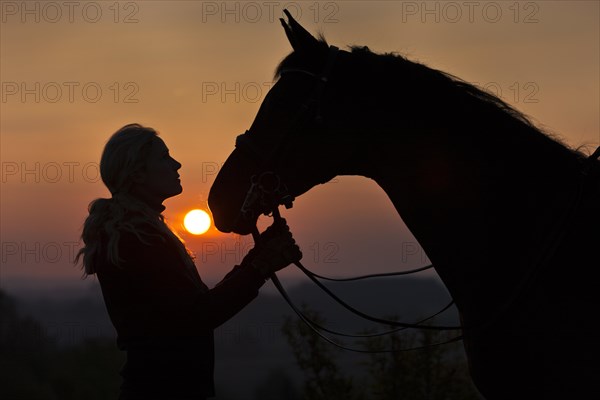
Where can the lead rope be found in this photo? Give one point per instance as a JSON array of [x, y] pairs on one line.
[[317, 328]]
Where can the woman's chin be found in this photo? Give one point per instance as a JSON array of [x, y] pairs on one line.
[[178, 190]]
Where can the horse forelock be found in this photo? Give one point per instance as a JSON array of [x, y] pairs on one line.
[[299, 60]]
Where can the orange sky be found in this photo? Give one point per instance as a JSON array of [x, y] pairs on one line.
[[197, 71]]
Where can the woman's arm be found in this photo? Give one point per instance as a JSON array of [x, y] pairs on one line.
[[168, 297]]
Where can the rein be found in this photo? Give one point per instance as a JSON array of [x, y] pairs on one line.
[[267, 192], [317, 328]]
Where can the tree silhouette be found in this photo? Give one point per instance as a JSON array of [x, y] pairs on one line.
[[317, 359], [432, 373], [34, 367]]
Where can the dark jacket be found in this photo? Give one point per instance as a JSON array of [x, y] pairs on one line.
[[165, 315]]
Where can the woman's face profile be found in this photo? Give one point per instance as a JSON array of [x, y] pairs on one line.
[[160, 179]]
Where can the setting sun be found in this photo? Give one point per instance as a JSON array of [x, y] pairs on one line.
[[197, 222]]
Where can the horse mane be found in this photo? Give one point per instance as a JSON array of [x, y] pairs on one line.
[[449, 89]]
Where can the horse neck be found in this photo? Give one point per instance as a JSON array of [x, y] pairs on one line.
[[473, 202]]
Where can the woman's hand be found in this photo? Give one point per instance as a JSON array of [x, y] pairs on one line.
[[277, 249]]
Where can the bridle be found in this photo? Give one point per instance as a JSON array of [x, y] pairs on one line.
[[268, 191]]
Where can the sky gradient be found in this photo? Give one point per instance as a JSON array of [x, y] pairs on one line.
[[197, 71]]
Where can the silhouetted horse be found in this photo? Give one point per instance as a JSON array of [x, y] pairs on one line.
[[508, 215]]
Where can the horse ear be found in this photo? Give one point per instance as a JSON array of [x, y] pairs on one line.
[[299, 38]]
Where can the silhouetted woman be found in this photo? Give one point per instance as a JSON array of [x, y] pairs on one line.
[[163, 313]]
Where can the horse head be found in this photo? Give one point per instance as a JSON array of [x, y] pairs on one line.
[[299, 138]]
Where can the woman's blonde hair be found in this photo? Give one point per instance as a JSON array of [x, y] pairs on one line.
[[124, 155]]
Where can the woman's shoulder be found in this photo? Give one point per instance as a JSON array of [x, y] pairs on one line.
[[133, 241], [148, 240], [135, 253]]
